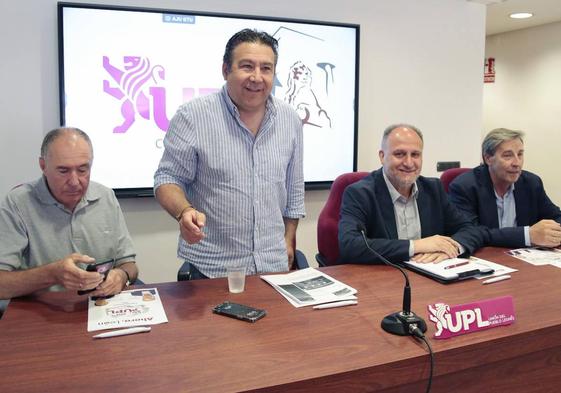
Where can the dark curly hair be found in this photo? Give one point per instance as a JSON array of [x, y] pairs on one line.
[[249, 35]]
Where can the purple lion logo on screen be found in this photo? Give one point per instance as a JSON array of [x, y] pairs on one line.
[[136, 91]]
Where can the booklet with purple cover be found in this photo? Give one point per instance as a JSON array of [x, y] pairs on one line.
[[137, 307]]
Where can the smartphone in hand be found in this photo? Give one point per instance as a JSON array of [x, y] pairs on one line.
[[100, 267]]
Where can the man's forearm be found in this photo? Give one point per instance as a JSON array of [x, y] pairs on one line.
[[24, 282], [290, 226], [172, 198], [131, 269]]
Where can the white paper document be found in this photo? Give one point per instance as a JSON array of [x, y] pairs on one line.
[[310, 286], [137, 307], [458, 268], [538, 256], [497, 267]]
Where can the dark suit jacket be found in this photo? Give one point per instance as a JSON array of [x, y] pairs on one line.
[[368, 203], [473, 193]]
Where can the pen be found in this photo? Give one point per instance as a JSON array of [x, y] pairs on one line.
[[124, 332], [336, 304], [456, 265], [496, 279]]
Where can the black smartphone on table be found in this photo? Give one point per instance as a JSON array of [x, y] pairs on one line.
[[239, 311], [100, 267]]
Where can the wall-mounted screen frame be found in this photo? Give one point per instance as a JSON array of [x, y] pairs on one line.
[[124, 71]]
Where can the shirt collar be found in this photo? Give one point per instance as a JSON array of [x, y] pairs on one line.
[[508, 192], [270, 108], [45, 196], [395, 195], [43, 193]]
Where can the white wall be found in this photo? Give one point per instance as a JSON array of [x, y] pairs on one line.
[[526, 96], [421, 62]]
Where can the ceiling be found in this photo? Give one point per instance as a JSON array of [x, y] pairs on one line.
[[498, 11]]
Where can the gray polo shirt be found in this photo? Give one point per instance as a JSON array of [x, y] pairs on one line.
[[36, 230]]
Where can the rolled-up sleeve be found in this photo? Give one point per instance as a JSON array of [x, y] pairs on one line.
[[295, 178], [13, 236], [179, 160]]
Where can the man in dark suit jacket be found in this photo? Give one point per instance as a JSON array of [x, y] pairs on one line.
[[405, 216], [511, 202]]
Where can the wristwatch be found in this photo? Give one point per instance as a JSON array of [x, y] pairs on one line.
[[128, 277]]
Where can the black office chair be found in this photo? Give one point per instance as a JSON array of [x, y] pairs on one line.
[[300, 261]]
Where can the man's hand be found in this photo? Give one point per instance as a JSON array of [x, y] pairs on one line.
[[71, 276], [113, 284], [437, 244], [290, 226], [191, 226], [290, 252], [545, 233], [430, 257]]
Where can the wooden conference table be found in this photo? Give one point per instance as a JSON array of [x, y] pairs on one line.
[[44, 346]]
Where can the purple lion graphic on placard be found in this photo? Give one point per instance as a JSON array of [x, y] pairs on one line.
[[133, 92]]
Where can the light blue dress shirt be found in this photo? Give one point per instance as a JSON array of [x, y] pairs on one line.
[[244, 184], [407, 220], [506, 211]]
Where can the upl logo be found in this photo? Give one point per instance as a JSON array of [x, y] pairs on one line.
[[466, 318], [137, 91], [136, 87]]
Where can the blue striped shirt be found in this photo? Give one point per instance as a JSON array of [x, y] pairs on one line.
[[244, 184]]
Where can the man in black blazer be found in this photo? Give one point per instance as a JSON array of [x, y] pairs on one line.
[[511, 202], [404, 215]]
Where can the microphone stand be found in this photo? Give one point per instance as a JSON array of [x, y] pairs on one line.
[[405, 322]]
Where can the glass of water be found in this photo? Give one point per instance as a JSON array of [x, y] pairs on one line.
[[236, 277]]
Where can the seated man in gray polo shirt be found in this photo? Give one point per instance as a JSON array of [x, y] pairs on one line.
[[50, 225]]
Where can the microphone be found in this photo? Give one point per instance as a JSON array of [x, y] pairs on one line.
[[405, 322]]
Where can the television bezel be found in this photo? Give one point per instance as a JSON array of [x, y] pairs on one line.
[[148, 191]]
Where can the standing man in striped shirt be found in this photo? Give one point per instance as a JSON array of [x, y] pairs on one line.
[[232, 169]]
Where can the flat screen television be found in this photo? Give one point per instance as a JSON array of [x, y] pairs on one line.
[[124, 72]]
